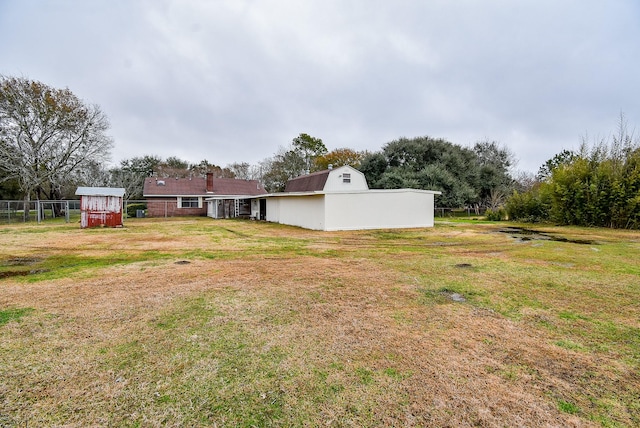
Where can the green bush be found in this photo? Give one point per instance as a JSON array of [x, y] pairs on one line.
[[133, 208], [498, 215], [532, 206]]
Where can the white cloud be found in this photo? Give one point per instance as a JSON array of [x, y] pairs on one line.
[[231, 80]]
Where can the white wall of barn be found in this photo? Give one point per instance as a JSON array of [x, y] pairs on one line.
[[373, 209], [386, 209], [305, 211]]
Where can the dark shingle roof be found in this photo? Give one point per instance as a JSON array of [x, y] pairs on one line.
[[198, 187], [308, 183], [232, 186]]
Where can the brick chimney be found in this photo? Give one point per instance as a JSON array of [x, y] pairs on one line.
[[209, 182]]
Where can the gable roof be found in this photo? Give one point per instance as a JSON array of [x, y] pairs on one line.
[[197, 186], [308, 183]]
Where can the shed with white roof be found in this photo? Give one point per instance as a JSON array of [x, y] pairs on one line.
[[101, 206]]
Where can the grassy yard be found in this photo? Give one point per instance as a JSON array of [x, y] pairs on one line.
[[198, 322]]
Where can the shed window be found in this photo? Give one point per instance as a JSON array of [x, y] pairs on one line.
[[346, 178], [189, 203]]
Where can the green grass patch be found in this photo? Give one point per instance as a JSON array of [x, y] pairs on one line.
[[207, 367], [568, 344], [13, 314], [64, 266], [571, 316], [365, 375], [567, 407]]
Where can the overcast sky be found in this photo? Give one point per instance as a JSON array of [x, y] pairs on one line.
[[233, 80]]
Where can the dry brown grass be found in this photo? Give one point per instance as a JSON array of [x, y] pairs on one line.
[[357, 341]]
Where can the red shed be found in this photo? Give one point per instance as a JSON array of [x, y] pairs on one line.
[[101, 206]]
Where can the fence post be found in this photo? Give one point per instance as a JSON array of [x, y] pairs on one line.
[[38, 210]]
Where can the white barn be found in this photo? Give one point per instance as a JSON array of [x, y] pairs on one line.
[[340, 199]]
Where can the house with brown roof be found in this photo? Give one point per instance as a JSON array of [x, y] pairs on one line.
[[198, 196]]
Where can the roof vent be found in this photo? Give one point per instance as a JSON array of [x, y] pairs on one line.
[[160, 182]]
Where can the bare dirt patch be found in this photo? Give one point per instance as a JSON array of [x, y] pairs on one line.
[[525, 234]]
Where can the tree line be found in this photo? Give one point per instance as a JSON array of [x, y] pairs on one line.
[[51, 142], [599, 185]]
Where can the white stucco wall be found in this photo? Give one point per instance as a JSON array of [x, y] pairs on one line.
[[335, 180], [273, 210], [305, 211], [373, 209], [379, 209]]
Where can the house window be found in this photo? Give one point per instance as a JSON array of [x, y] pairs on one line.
[[346, 178], [189, 203]]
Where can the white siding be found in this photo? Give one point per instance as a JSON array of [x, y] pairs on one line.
[[273, 210], [305, 211], [336, 180], [373, 209], [387, 209]]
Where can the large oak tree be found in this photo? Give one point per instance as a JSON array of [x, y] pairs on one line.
[[467, 177], [46, 134]]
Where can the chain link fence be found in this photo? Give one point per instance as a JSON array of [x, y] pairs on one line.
[[64, 211]]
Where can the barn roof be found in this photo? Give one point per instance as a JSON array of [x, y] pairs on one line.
[[100, 191], [308, 183], [197, 186]]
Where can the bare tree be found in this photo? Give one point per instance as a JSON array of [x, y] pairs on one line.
[[524, 181], [130, 174], [283, 166], [45, 134], [204, 167], [245, 171]]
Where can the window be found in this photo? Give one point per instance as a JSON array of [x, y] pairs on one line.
[[346, 178], [189, 203]]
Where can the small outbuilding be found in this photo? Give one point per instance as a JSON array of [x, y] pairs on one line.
[[101, 206]]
